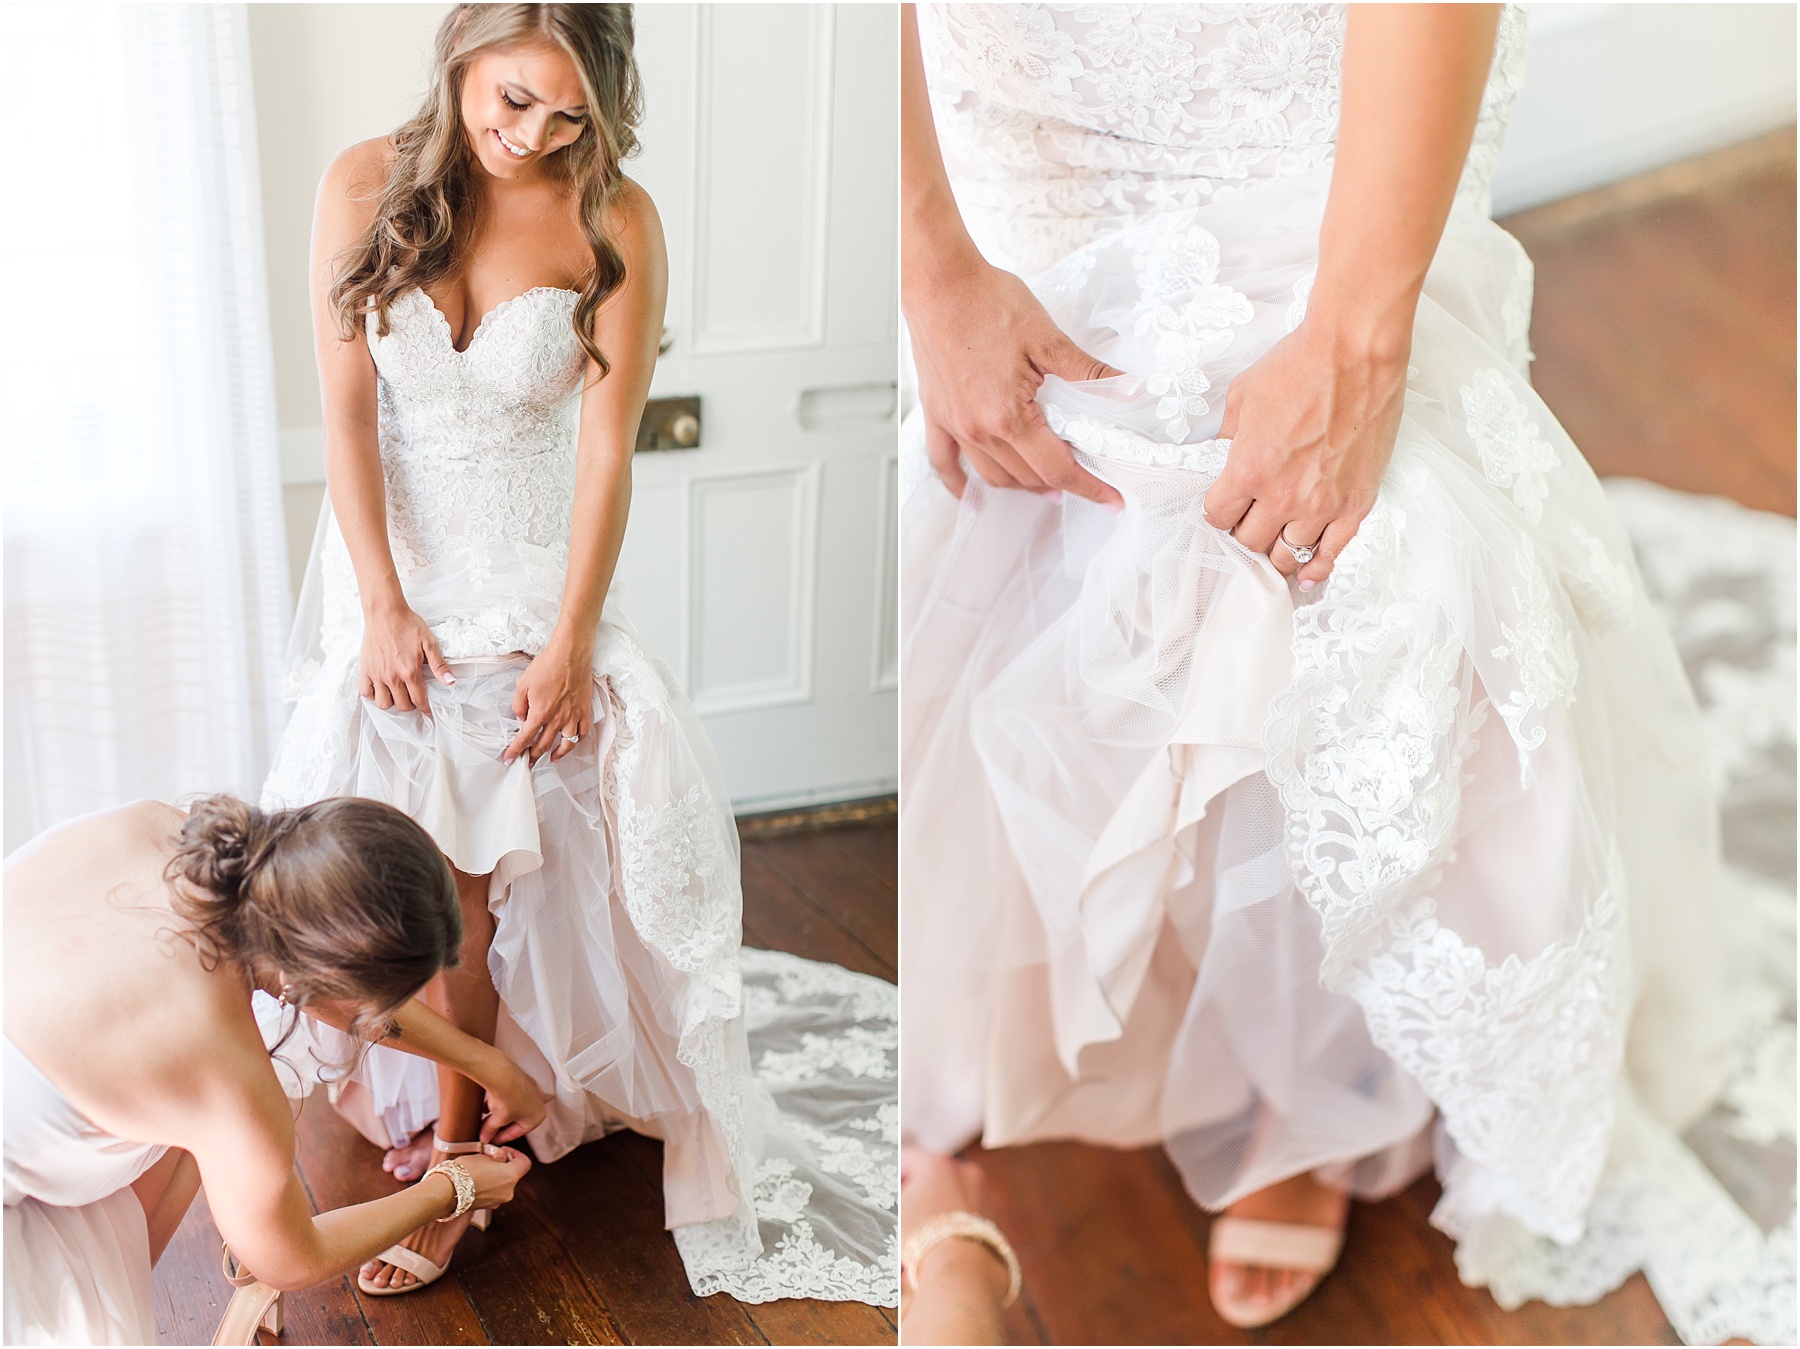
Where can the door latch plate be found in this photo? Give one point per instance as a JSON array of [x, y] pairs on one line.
[[670, 424]]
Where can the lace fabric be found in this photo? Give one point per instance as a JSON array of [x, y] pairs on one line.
[[1057, 121], [1288, 875], [623, 987]]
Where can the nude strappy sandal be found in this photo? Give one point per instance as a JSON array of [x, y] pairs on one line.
[[255, 1306], [427, 1272], [1303, 1247]]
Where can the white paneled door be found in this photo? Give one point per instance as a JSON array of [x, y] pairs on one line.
[[762, 564]]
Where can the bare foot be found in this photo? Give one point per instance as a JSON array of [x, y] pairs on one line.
[[1299, 1199], [409, 1162]]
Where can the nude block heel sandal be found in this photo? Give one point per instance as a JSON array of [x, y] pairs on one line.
[[254, 1306], [428, 1272], [1302, 1247]]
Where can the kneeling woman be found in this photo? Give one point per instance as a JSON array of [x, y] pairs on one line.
[[136, 1070]]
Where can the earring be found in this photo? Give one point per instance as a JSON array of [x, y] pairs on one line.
[[287, 996]]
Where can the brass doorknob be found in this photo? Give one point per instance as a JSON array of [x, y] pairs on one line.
[[685, 430]]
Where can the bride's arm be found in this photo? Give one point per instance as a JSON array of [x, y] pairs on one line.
[[1313, 422], [555, 695], [515, 1106], [981, 342], [396, 642]]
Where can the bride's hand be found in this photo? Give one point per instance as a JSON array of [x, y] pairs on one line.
[[515, 1106], [983, 344], [555, 700], [397, 647], [496, 1173], [1312, 426]]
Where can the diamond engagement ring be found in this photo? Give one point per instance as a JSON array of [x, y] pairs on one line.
[[1303, 552], [572, 739]]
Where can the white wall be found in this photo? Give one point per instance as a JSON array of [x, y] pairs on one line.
[[1613, 90], [326, 76]]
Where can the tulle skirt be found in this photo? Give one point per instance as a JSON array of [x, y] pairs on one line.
[[624, 993], [1421, 864]]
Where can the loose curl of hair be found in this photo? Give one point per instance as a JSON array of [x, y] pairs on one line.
[[426, 207], [347, 898]]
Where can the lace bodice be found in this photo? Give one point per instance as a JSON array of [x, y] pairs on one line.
[[478, 446], [1055, 119], [478, 461]]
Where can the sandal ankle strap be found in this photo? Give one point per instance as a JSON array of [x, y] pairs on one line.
[[235, 1274], [455, 1149]]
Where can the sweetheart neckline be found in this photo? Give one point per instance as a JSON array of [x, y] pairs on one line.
[[450, 333]]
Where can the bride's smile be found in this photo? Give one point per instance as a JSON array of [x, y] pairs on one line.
[[520, 107]]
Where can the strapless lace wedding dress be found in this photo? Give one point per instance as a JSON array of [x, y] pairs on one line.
[[1423, 865], [623, 988]]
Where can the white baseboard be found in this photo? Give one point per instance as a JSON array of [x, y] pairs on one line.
[[823, 796], [1639, 150], [1615, 90]]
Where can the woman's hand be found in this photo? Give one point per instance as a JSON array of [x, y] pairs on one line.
[[1312, 426], [397, 647], [496, 1173], [983, 344], [555, 700], [515, 1106]]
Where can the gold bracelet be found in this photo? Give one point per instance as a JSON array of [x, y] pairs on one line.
[[970, 1227], [464, 1183]]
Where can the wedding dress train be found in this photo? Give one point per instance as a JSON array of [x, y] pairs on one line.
[[1421, 866], [616, 954]]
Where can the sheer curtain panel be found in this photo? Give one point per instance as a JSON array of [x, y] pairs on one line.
[[146, 581]]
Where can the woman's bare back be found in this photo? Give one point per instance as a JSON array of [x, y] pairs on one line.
[[105, 992]]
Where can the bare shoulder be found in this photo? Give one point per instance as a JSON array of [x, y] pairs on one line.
[[137, 824], [353, 181], [361, 170], [637, 228]]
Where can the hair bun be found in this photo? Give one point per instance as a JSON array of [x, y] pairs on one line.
[[222, 842]]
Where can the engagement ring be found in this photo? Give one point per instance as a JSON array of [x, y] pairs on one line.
[[1303, 553]]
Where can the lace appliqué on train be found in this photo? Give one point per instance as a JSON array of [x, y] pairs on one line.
[[832, 1156]]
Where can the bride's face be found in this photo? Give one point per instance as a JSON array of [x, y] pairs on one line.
[[520, 105]]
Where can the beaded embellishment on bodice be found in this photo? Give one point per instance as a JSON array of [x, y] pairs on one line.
[[478, 445]]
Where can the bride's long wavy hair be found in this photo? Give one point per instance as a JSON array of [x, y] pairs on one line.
[[426, 208]]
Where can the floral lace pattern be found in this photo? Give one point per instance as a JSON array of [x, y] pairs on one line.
[[1540, 648], [1369, 771], [1054, 117], [835, 1167], [478, 457], [1192, 316], [1513, 450]]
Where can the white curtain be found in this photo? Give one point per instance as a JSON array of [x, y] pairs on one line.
[[146, 583]]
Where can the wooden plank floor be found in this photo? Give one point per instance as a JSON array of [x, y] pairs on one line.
[[580, 1257], [1664, 323], [1664, 331]]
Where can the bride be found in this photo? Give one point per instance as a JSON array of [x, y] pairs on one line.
[[1295, 770], [488, 293], [136, 940]]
